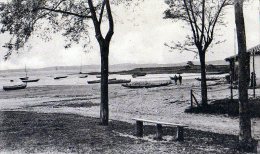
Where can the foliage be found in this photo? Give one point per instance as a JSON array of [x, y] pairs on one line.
[[202, 16], [24, 18]]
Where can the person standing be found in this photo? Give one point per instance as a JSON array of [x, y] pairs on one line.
[[175, 78], [180, 79]]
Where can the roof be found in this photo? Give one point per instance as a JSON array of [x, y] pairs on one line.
[[255, 49]]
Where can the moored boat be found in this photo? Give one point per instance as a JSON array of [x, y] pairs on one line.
[[111, 81], [138, 74], [83, 76], [31, 80], [15, 87], [208, 79], [24, 78], [60, 77], [146, 84]]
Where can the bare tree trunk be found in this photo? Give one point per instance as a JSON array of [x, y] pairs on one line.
[[204, 97], [104, 108], [245, 138]]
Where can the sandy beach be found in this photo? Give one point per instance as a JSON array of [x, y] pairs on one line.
[[162, 103]]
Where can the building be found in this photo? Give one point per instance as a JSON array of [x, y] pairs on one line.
[[253, 60]]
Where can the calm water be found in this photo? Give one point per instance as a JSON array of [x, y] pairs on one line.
[[47, 77]]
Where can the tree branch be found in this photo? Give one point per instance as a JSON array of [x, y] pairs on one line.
[[65, 12]]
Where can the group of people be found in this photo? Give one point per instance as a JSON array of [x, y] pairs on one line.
[[175, 78]]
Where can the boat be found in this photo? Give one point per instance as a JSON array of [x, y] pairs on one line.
[[135, 85], [60, 77], [208, 79], [83, 76], [119, 81], [138, 74], [98, 81], [14, 87], [26, 77], [111, 81], [31, 80]]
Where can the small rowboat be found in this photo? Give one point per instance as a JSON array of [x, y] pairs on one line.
[[14, 87], [83, 76], [60, 77], [111, 81], [24, 78], [145, 85], [34, 80], [208, 79], [138, 74]]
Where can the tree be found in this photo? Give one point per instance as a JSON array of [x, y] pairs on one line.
[[190, 63], [245, 138], [23, 17], [202, 16]]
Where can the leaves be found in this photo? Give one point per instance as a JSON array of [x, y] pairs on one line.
[[202, 16]]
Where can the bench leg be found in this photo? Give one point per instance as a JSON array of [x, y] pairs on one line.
[[180, 134], [158, 132], [139, 128]]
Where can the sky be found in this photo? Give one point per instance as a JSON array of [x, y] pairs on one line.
[[140, 34]]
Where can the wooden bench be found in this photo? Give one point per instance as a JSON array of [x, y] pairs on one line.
[[139, 128]]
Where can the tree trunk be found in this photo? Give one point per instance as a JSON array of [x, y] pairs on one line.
[[204, 97], [245, 138], [104, 108]]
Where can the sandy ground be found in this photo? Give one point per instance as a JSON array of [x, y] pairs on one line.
[[161, 103], [31, 132]]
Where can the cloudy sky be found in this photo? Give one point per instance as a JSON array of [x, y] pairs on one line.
[[140, 34]]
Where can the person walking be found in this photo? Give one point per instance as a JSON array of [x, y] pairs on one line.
[[180, 79]]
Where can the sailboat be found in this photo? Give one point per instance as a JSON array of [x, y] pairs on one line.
[[82, 75], [60, 77], [26, 78]]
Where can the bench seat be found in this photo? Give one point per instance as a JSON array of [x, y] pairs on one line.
[[139, 128]]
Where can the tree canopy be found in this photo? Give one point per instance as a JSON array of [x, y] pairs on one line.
[[202, 17]]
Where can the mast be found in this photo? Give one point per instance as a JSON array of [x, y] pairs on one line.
[[25, 71]]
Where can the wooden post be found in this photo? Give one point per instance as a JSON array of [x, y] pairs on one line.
[[191, 100], [180, 134], [139, 128], [158, 132]]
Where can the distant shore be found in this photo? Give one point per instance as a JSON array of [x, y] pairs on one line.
[[218, 69]]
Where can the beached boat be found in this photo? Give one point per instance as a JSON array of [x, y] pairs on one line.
[[83, 76], [15, 87], [146, 84], [208, 79], [111, 81], [119, 81], [30, 80], [60, 77], [138, 74], [24, 78]]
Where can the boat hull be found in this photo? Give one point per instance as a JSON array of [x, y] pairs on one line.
[[144, 85], [26, 81], [60, 77], [208, 79], [15, 87]]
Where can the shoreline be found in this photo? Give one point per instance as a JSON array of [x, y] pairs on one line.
[[162, 103]]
